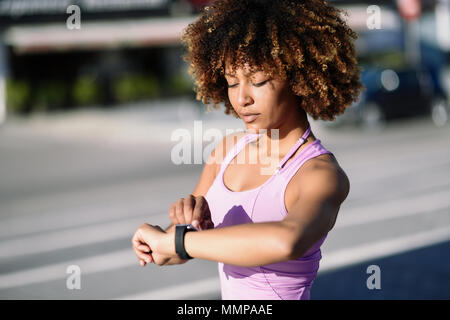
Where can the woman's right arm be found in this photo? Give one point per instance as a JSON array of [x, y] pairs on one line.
[[185, 209], [195, 207]]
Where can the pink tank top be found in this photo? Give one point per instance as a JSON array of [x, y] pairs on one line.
[[289, 280]]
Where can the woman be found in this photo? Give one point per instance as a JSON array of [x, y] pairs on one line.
[[270, 63]]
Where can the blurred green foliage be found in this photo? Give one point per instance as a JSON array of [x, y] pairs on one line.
[[17, 95], [50, 95], [386, 59], [132, 87], [85, 91], [180, 84], [24, 96]]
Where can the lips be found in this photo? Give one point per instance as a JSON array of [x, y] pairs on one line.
[[250, 117]]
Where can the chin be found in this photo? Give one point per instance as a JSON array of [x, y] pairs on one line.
[[252, 128], [256, 126]]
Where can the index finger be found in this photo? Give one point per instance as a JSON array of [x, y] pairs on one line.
[[189, 203], [201, 211]]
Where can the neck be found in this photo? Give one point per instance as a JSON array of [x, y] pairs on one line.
[[289, 133]]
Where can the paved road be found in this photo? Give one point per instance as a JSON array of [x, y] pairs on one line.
[[74, 187]]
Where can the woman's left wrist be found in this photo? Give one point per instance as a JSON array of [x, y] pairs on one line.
[[167, 244]]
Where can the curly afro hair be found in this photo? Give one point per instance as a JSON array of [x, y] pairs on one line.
[[304, 42]]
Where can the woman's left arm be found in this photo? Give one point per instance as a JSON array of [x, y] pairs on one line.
[[253, 244]]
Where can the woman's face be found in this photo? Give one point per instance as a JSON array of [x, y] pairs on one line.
[[260, 101]]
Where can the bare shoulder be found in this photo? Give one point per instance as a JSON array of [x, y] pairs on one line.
[[323, 176], [212, 166]]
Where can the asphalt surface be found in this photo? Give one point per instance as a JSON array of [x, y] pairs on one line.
[[75, 186]]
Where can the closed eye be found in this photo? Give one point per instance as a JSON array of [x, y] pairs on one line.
[[260, 84]]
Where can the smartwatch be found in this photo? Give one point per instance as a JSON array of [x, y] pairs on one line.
[[180, 231]]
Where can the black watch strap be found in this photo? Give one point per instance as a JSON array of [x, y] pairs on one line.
[[180, 231]]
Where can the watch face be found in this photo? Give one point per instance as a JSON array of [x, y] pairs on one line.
[[190, 226]]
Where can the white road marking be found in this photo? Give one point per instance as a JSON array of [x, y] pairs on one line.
[[99, 263], [331, 261], [205, 287], [381, 249], [407, 206], [64, 239], [423, 204]]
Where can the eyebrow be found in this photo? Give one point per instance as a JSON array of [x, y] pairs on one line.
[[246, 74]]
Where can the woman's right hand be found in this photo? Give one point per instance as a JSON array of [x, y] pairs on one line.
[[193, 210]]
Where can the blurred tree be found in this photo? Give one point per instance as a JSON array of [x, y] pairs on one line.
[[136, 87], [181, 84], [86, 91], [17, 95], [50, 95]]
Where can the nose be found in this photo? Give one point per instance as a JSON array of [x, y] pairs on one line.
[[244, 96]]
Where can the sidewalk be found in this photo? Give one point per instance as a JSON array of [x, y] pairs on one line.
[[151, 124], [139, 123]]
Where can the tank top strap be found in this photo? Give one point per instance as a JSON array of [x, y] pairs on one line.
[[312, 150], [294, 148], [242, 142]]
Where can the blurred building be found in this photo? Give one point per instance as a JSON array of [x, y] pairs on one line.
[[70, 53]]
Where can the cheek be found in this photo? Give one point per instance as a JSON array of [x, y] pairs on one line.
[[232, 96], [270, 100]]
